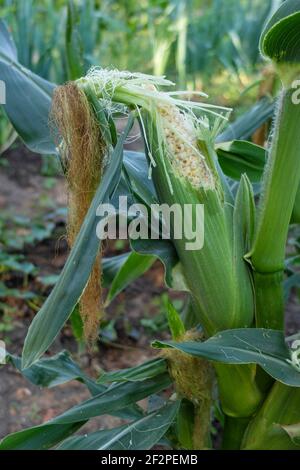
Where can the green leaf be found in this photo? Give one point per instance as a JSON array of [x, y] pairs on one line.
[[274, 437], [175, 323], [143, 371], [67, 291], [162, 249], [142, 434], [54, 371], [244, 127], [91, 441], [39, 437], [240, 157], [245, 346], [142, 189], [77, 324], [111, 266], [28, 98], [113, 399], [135, 265], [73, 46], [137, 170], [280, 37], [244, 218], [60, 369]]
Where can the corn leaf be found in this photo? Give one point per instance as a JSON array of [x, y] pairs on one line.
[[74, 55], [280, 37], [39, 437], [54, 371], [137, 170], [142, 434], [245, 346], [135, 265], [274, 437], [111, 267], [91, 441], [162, 249], [112, 400], [59, 369], [145, 433], [28, 97], [276, 424], [240, 157], [176, 325], [244, 126], [143, 371]]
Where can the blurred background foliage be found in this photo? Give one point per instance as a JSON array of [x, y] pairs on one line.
[[197, 43]]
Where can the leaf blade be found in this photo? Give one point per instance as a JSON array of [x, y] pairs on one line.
[[245, 346]]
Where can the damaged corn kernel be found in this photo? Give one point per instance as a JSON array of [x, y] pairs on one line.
[[182, 147], [179, 129]]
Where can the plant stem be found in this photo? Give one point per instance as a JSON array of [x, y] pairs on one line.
[[233, 432], [269, 300], [280, 185]]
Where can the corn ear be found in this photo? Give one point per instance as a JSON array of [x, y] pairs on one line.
[[185, 171], [216, 275]]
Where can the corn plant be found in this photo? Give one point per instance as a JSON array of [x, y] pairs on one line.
[[233, 333]]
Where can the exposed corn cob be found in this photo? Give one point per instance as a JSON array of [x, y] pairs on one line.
[[182, 148]]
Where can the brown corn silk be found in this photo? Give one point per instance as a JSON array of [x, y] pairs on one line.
[[83, 150], [193, 379]]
